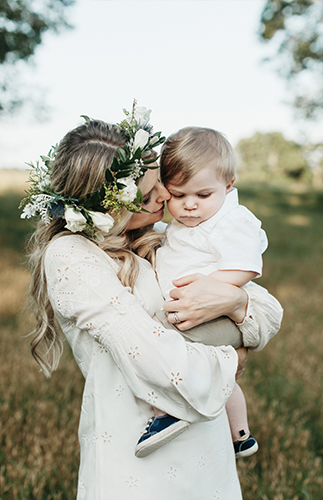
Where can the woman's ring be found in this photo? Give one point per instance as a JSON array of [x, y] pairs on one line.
[[176, 318]]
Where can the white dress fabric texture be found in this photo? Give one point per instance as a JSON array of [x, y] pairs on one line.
[[130, 362], [231, 239]]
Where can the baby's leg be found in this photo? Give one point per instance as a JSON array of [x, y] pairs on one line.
[[244, 443], [158, 413], [237, 413]]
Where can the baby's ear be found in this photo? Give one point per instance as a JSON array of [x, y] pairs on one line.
[[229, 186]]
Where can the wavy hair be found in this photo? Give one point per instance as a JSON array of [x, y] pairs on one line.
[[79, 168]]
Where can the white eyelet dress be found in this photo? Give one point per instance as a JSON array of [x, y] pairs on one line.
[[129, 363]]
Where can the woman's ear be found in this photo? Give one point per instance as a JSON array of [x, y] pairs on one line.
[[229, 186]]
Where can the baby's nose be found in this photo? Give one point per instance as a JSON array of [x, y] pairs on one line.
[[190, 203]]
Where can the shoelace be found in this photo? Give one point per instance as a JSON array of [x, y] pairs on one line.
[[150, 421]]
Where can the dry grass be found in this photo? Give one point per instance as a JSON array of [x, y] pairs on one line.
[[38, 417], [38, 425], [14, 279], [283, 384]]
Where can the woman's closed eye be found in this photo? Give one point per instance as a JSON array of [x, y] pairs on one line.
[[146, 199]]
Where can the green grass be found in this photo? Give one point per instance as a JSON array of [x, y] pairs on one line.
[[283, 384]]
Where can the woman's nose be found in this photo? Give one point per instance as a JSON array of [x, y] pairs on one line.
[[163, 194]]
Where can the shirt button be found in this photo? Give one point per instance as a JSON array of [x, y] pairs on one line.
[[192, 232]]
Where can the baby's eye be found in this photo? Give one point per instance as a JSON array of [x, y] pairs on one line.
[[204, 195], [177, 195]]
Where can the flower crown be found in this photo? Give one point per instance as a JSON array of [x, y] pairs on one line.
[[118, 191]]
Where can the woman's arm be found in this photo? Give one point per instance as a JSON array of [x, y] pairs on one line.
[[200, 298], [191, 381]]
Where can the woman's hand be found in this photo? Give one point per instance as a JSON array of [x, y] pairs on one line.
[[198, 298], [242, 361]]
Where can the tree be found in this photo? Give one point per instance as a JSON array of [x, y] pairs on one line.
[[22, 26], [270, 157], [294, 28]]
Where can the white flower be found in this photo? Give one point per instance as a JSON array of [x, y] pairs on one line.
[[39, 205], [142, 116], [45, 182], [102, 221], [28, 211], [141, 138], [128, 193], [75, 220]]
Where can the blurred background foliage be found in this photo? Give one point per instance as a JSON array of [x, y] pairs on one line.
[[294, 29], [23, 24], [272, 158]]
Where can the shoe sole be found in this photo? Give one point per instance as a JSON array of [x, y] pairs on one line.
[[158, 440], [247, 453]]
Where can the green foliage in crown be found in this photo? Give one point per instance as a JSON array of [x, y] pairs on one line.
[[119, 191]]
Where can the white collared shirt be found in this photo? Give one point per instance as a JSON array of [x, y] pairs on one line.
[[230, 240]]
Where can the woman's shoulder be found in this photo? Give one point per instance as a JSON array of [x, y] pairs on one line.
[[68, 243], [76, 246]]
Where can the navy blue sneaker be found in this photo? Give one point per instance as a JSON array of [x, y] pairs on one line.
[[245, 446], [159, 431]]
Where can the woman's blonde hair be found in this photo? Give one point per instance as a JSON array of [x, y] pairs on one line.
[[193, 148], [78, 169]]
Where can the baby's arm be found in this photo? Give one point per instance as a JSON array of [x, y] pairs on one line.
[[234, 277]]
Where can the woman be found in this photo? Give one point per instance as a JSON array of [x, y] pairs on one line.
[[101, 287]]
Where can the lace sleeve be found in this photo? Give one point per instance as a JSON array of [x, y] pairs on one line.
[[263, 318]]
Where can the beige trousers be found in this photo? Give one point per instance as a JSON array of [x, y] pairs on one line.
[[220, 331]]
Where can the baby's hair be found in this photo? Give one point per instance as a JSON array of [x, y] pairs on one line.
[[193, 148]]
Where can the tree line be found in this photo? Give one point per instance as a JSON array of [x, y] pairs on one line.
[[271, 157]]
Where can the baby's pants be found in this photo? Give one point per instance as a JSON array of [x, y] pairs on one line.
[[220, 331]]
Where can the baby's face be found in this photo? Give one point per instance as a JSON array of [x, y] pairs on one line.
[[199, 199]]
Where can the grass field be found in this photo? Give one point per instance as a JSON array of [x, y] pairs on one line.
[[283, 384]]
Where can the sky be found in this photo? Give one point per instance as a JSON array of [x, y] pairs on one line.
[[193, 62]]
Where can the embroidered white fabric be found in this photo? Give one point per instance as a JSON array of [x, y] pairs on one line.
[[130, 362], [263, 318]]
